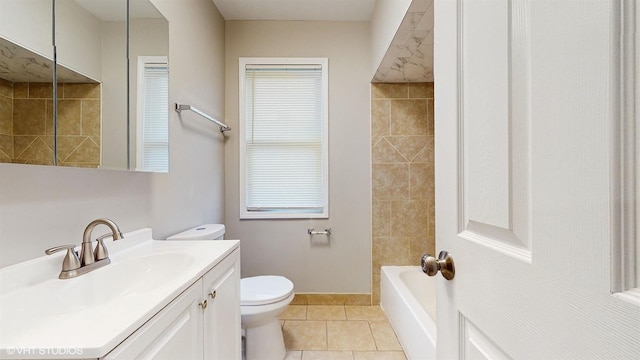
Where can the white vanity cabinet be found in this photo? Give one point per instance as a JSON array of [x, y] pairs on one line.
[[203, 322]]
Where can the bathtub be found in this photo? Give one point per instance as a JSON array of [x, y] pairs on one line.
[[408, 297]]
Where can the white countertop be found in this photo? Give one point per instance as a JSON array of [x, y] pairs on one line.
[[43, 317]]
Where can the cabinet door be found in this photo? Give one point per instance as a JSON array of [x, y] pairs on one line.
[[174, 333], [222, 337]]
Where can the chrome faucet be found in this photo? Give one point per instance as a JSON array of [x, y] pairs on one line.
[[90, 259]]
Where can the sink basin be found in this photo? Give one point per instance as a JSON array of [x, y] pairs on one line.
[[118, 280], [98, 310]]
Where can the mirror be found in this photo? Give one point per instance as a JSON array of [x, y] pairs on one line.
[[95, 124]]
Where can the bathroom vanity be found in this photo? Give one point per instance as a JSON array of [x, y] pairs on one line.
[[157, 299]]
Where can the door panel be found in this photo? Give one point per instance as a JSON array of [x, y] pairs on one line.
[[526, 112]]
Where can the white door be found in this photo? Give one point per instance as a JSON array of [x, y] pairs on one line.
[[528, 173]]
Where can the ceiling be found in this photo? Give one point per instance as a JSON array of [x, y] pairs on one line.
[[320, 10], [410, 54]]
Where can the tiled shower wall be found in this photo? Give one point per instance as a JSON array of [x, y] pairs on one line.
[[403, 226], [26, 125]]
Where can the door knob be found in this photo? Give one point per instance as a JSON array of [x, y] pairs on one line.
[[444, 264]]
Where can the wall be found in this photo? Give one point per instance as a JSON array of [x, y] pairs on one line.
[[37, 35], [42, 206], [283, 246], [403, 175]]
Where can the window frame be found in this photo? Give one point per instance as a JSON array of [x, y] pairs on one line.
[[245, 213]]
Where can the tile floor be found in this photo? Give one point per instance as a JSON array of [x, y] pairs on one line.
[[335, 332]]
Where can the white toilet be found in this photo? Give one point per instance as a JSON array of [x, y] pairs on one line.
[[262, 300]]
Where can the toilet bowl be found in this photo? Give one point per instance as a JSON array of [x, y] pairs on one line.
[[262, 300]]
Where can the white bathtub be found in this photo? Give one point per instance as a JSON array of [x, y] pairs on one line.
[[408, 297]]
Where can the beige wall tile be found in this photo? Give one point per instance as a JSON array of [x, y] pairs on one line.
[[409, 218], [390, 251], [6, 88], [81, 91], [384, 336], [421, 90], [6, 147], [327, 355], [420, 246], [6, 115], [358, 299], [49, 117], [69, 117], [369, 313], [389, 91], [426, 154], [409, 146], [402, 222], [39, 90], [379, 355], [380, 117], [325, 299], [421, 181], [21, 90], [299, 299], [91, 117], [21, 143], [87, 152], [430, 116], [37, 153], [325, 312], [67, 144], [349, 335], [383, 152], [381, 218], [294, 312], [375, 289], [29, 116], [390, 181], [305, 335], [409, 117]]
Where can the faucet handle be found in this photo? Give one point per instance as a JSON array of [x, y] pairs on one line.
[[100, 252], [71, 260]]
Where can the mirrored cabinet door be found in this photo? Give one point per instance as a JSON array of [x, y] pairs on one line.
[[91, 43], [26, 82], [111, 107]]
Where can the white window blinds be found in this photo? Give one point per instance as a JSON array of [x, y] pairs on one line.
[[154, 143], [285, 145]]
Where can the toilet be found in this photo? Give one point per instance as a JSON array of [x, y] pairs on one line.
[[262, 300]]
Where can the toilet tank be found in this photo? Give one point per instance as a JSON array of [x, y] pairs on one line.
[[202, 232]]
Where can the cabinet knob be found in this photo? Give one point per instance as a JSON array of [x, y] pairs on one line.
[[212, 294], [203, 304]]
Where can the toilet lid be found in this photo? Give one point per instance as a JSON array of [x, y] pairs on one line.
[[262, 290]]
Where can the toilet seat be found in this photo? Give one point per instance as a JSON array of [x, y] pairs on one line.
[[263, 290]]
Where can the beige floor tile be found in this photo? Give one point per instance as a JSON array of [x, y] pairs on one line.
[[327, 355], [379, 355], [294, 312], [384, 336], [305, 335], [325, 312], [293, 355], [371, 313], [349, 335]]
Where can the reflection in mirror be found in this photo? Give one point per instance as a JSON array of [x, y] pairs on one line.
[[148, 87], [25, 81], [91, 38], [25, 106]]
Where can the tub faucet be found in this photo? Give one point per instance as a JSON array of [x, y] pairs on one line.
[[87, 254]]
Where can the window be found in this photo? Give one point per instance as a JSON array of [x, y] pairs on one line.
[[283, 138], [152, 140]]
